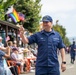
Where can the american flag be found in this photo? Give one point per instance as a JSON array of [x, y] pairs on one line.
[[21, 17]]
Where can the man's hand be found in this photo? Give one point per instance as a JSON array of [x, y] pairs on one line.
[[63, 67], [22, 30]]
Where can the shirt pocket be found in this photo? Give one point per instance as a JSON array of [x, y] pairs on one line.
[[55, 42], [41, 42]]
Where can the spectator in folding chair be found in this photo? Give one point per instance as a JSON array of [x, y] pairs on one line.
[[19, 62]]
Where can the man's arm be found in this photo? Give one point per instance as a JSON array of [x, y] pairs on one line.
[[63, 64], [24, 38], [62, 51]]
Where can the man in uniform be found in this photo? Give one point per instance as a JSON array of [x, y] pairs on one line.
[[72, 52], [48, 42]]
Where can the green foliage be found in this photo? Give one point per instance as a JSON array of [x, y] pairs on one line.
[[8, 3], [66, 41], [31, 9], [1, 10], [62, 31], [3, 6]]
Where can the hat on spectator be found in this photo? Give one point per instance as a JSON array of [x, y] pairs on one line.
[[47, 18], [26, 50], [15, 49]]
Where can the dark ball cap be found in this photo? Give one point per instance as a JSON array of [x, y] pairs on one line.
[[47, 18], [15, 49]]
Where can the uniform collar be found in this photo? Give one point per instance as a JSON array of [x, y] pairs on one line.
[[51, 32]]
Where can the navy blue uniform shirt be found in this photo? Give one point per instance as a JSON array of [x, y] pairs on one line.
[[48, 43], [73, 46]]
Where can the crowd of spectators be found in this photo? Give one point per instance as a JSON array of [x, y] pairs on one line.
[[23, 57]]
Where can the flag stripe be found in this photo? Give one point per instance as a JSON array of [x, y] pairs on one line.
[[12, 17], [16, 15]]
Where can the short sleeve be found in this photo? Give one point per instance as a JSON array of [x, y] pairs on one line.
[[61, 44], [32, 39]]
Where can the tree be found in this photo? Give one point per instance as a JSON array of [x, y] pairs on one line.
[[31, 9], [3, 6], [1, 10], [62, 31], [66, 41]]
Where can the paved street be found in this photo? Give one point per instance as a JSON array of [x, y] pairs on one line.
[[71, 68]]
